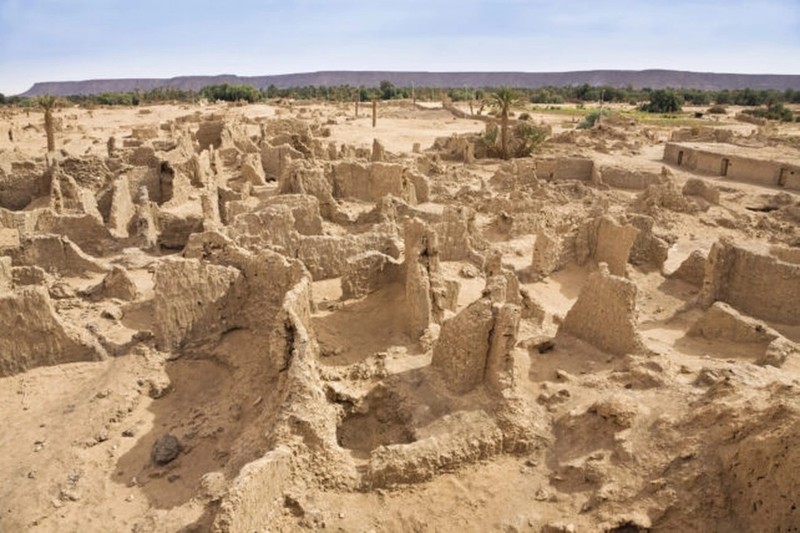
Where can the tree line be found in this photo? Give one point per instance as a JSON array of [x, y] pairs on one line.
[[652, 100]]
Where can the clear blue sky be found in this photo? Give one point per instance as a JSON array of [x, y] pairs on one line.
[[53, 40]]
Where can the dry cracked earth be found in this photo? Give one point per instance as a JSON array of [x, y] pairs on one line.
[[279, 318]]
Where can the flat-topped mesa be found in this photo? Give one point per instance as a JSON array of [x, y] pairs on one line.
[[604, 314], [751, 280]]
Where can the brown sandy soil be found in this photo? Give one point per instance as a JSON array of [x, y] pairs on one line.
[[250, 318]]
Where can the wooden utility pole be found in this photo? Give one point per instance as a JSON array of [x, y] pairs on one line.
[[374, 112], [358, 97]]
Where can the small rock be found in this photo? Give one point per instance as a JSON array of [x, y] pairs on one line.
[[469, 272], [112, 313], [545, 346], [70, 494], [165, 450], [61, 291]]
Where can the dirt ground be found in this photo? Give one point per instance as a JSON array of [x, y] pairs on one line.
[[288, 330]]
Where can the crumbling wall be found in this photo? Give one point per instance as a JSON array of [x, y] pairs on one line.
[[701, 134], [790, 255], [692, 270], [176, 225], [257, 492], [189, 296], [753, 282], [565, 168], [33, 335], [723, 322], [122, 208], [425, 290], [370, 182], [605, 314], [454, 230], [86, 231], [25, 182], [326, 256], [622, 178], [305, 209], [759, 471], [699, 187], [368, 272], [663, 196], [467, 437], [551, 252], [275, 160], [474, 347], [116, 284], [271, 226], [461, 350], [55, 253], [648, 250], [603, 240], [613, 246], [6, 275], [209, 134], [515, 175], [302, 178]]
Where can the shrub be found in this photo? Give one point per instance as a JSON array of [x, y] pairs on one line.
[[590, 119], [525, 116], [663, 101], [771, 112], [388, 90], [527, 138], [231, 93], [717, 110]]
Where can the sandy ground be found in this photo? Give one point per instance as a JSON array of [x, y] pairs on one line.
[[77, 438]]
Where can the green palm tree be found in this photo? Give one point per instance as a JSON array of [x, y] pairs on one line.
[[503, 100]]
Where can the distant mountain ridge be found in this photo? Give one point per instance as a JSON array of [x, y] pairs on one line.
[[655, 79]]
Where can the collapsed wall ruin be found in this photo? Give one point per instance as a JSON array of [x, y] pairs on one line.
[[752, 281], [604, 314], [265, 323]]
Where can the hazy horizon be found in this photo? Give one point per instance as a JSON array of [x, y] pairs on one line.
[[71, 40]]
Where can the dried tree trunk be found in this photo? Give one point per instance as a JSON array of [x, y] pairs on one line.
[[49, 127]]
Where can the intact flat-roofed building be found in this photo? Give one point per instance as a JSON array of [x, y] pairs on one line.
[[766, 166]]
